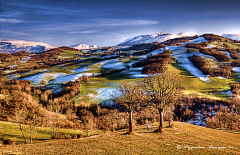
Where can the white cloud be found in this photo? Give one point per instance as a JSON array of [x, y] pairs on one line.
[[77, 32], [4, 20], [123, 22], [96, 23], [15, 33]]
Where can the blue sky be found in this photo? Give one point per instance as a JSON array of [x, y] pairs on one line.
[[109, 22]]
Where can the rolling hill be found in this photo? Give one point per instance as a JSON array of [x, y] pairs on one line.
[[181, 139], [12, 46], [149, 38]]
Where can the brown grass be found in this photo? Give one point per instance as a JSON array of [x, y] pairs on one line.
[[182, 134]]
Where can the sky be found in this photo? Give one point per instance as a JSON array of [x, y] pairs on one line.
[[110, 22]]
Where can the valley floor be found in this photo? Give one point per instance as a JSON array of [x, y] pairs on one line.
[[181, 139]]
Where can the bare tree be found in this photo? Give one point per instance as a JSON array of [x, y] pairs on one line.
[[130, 97], [32, 122], [161, 91], [98, 111], [54, 118], [19, 118], [53, 80], [42, 82], [1, 131]]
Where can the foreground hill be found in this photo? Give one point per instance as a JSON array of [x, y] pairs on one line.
[[181, 139]]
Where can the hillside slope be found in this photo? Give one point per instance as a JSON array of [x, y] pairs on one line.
[[232, 36], [178, 140], [149, 38], [11, 46]]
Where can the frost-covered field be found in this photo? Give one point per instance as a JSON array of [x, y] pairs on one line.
[[200, 117]]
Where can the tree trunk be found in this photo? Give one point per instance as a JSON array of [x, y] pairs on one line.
[[169, 122], [161, 120], [20, 126], [130, 123], [31, 128]]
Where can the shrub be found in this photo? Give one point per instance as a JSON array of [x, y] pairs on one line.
[[59, 136], [201, 64], [9, 141], [74, 136], [234, 54], [67, 136], [79, 136], [154, 64], [216, 90], [213, 52]]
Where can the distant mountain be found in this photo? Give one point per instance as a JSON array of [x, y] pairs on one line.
[[84, 46], [148, 38], [232, 36], [12, 46]]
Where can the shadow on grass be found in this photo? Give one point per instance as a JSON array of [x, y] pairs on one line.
[[117, 76], [230, 131], [235, 77], [6, 136], [182, 71]]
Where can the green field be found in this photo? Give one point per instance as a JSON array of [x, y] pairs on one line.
[[11, 130], [195, 85], [230, 44]]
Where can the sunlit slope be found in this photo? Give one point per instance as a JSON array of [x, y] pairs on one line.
[[182, 139]]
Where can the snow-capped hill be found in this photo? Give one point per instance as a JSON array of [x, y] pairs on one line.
[[185, 34], [140, 39], [11, 46], [149, 38], [232, 36], [162, 38], [84, 46]]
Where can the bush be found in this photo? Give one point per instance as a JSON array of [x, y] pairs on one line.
[[68, 136], [9, 141], [74, 136], [59, 136], [79, 136]]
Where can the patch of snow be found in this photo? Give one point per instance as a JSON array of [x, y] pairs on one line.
[[141, 39], [162, 38], [9, 71], [134, 72], [137, 38], [232, 36], [106, 93], [227, 54], [98, 51], [36, 78], [220, 77], [113, 64], [185, 63], [157, 51], [11, 66], [108, 56], [198, 40], [185, 34], [227, 92], [236, 69], [210, 46], [123, 47], [72, 77], [80, 69]]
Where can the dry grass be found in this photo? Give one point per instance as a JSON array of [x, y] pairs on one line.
[[184, 135]]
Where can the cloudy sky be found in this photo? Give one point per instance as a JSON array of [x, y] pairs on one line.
[[109, 22]]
